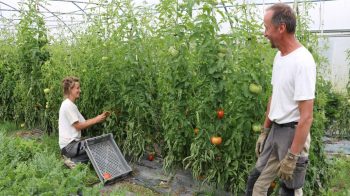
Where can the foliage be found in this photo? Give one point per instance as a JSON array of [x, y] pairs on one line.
[[8, 59], [339, 127], [339, 182], [27, 166], [28, 95], [337, 111], [32, 166], [161, 76]]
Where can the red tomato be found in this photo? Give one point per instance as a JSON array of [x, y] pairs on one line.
[[220, 113], [150, 156], [216, 140], [107, 176]]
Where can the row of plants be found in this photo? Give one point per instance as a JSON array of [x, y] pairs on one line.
[[169, 78], [339, 182], [33, 167], [337, 111]]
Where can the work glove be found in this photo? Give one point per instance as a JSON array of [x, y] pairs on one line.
[[259, 146], [287, 166]]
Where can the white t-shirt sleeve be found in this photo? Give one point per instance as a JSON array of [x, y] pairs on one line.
[[68, 115], [71, 115], [305, 80]]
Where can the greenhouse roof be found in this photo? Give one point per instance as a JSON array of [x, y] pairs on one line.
[[327, 15]]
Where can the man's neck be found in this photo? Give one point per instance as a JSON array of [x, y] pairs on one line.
[[290, 43]]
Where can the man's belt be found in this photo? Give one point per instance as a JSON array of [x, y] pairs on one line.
[[290, 124]]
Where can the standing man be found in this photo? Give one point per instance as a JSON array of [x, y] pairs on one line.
[[283, 145]]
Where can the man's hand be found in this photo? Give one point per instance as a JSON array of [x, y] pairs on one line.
[[259, 146], [287, 166]]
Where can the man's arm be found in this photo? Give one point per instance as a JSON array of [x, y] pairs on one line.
[[304, 125]]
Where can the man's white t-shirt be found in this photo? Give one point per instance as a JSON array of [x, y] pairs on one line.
[[68, 115], [293, 80]]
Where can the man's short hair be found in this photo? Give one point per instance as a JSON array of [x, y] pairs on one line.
[[283, 13]]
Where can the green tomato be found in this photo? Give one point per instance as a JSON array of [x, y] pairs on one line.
[[256, 127], [193, 45], [221, 55], [255, 88], [46, 90], [223, 50], [173, 51]]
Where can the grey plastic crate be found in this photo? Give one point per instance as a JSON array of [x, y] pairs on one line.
[[106, 157]]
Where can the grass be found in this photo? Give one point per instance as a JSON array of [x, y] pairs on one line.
[[33, 166], [340, 172], [8, 126]]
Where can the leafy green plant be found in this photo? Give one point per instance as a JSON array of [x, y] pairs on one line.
[[161, 76], [339, 182], [340, 125], [32, 54], [28, 166]]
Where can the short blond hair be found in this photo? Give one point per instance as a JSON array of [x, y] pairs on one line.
[[68, 83]]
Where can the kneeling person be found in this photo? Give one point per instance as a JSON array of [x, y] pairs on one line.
[[71, 123]]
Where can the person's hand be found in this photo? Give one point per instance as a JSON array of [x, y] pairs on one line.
[[287, 166], [107, 113], [259, 146], [100, 118]]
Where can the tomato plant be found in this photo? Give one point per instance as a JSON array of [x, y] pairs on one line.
[[162, 77]]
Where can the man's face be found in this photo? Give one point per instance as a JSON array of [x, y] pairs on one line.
[[271, 31]]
